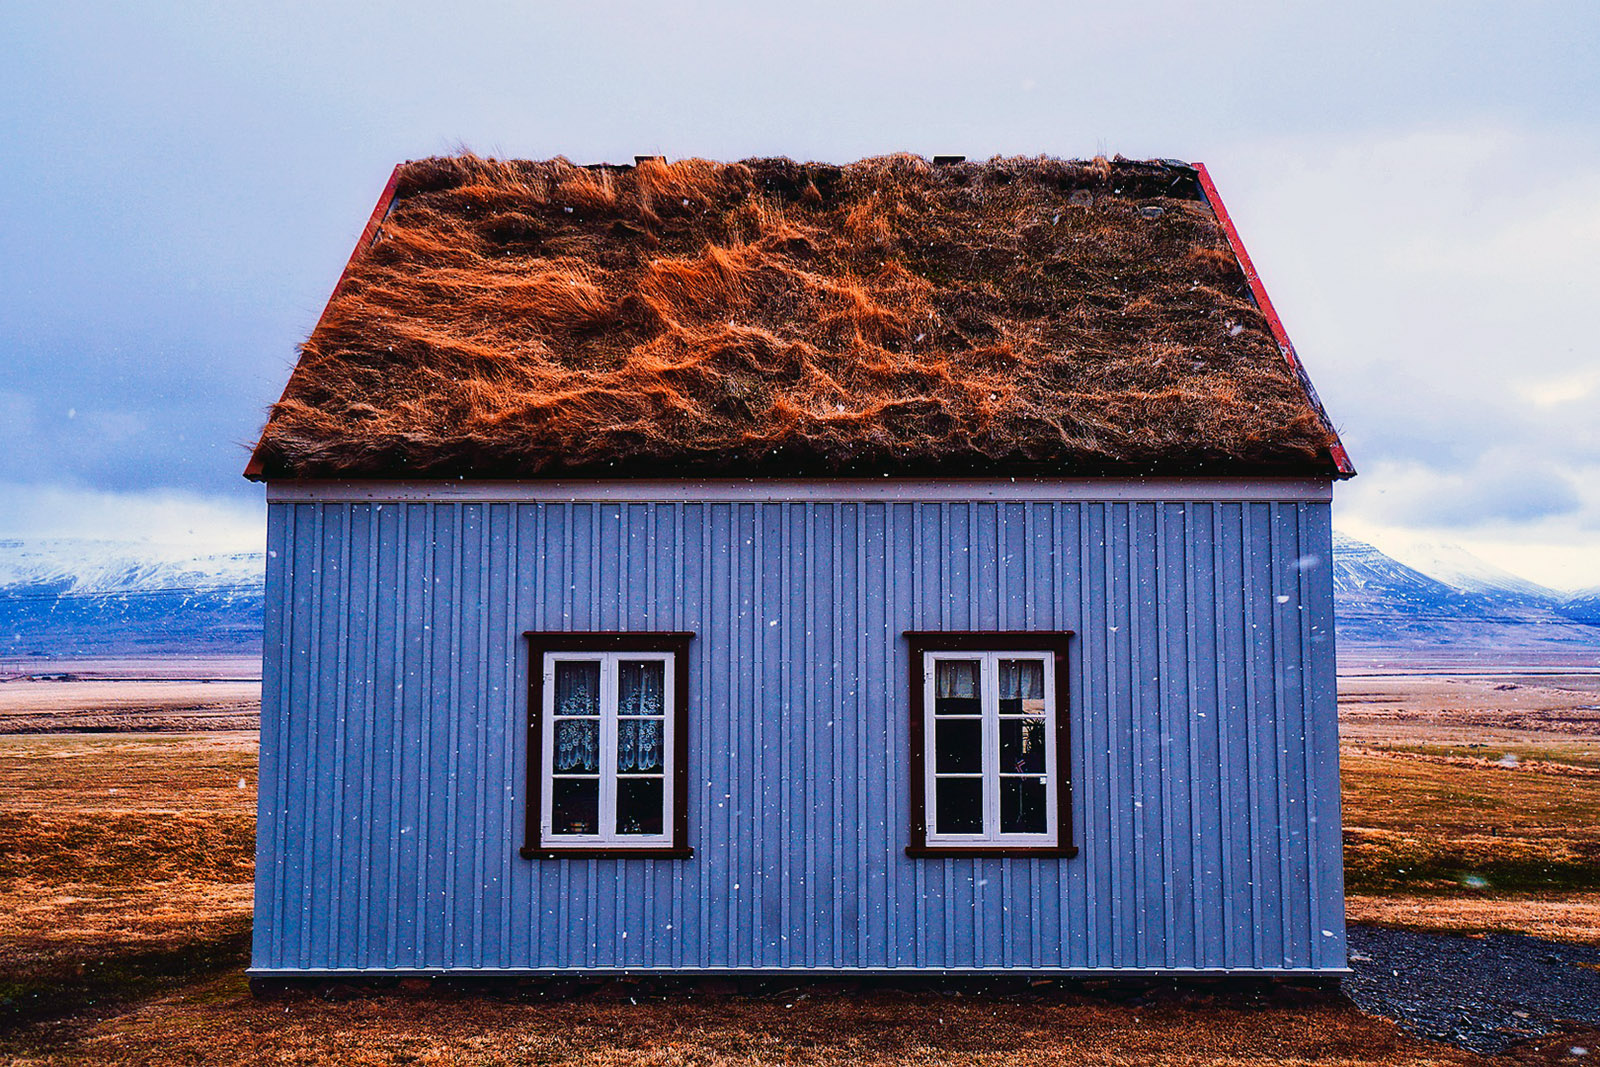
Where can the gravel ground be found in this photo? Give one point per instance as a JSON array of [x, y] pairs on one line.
[[1479, 993]]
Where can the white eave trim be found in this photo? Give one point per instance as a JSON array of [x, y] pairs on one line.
[[910, 490]]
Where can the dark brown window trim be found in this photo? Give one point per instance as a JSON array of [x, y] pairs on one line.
[[1055, 641], [590, 852], [543, 641], [1059, 852]]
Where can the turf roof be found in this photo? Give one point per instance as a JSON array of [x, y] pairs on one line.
[[770, 318]]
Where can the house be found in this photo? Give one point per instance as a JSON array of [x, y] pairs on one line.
[[767, 566]]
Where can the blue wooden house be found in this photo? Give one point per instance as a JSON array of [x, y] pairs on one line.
[[892, 567]]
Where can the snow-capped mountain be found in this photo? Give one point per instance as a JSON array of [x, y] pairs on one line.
[[1366, 580], [82, 567], [1584, 606], [1455, 566], [1450, 603], [71, 596]]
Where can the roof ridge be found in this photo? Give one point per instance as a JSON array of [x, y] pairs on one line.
[[1019, 315]]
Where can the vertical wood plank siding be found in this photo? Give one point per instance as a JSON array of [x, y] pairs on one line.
[[1204, 759]]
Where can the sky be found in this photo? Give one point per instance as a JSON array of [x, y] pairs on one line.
[[1418, 183]]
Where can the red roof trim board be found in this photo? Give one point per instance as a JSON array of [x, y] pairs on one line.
[[1340, 457], [254, 470]]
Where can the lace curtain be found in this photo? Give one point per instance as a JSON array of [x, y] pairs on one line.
[[577, 746], [577, 689], [641, 687], [638, 746]]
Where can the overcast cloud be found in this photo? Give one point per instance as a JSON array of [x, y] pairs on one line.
[[180, 185]]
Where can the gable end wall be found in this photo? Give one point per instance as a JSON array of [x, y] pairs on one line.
[[1204, 732]]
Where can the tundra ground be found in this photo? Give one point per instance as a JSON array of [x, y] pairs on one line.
[[1472, 803], [125, 866]]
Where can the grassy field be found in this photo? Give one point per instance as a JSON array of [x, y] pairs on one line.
[[123, 859], [218, 1022], [1473, 803], [125, 866]]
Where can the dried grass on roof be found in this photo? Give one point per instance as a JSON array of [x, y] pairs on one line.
[[769, 317]]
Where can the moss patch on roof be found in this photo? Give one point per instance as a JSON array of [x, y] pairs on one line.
[[1016, 316]]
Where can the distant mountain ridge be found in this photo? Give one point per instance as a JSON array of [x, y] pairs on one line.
[[69, 597], [1584, 606], [65, 596], [1452, 603], [83, 566], [1460, 569]]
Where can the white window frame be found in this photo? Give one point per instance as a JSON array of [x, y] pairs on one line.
[[608, 838], [989, 693]]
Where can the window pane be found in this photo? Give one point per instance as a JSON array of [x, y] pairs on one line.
[[577, 746], [960, 805], [641, 687], [958, 746], [1022, 746], [575, 805], [956, 687], [1021, 687], [639, 746], [577, 688], [639, 805], [1022, 806]]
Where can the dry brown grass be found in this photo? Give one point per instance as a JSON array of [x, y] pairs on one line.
[[1022, 315], [1399, 709], [220, 1023], [1473, 804], [1559, 917], [147, 706], [119, 856], [1419, 825]]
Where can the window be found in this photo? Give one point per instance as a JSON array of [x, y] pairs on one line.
[[989, 744], [606, 744]]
